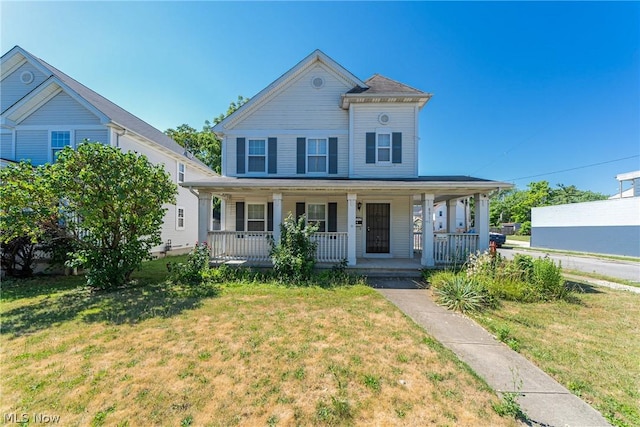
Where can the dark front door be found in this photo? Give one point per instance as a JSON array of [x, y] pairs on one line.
[[378, 224]]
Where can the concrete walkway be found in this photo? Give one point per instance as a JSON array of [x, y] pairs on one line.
[[544, 400]]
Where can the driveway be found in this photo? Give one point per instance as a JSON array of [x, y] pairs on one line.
[[627, 270]]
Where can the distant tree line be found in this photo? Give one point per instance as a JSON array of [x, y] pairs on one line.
[[514, 205]]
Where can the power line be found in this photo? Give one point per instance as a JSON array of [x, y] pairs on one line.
[[576, 168]]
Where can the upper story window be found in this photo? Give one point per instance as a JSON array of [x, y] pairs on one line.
[[383, 147], [256, 217], [317, 155], [182, 168], [317, 214], [59, 140], [257, 158]]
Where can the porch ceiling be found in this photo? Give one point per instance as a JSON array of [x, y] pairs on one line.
[[443, 187]]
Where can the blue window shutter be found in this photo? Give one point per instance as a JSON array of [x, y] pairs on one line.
[[270, 216], [396, 144], [332, 223], [273, 155], [240, 155], [333, 155], [302, 155], [371, 147], [239, 216], [299, 210]]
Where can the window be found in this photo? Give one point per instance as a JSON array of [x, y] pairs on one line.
[[317, 155], [383, 148], [317, 214], [256, 218], [179, 218], [257, 155], [181, 171], [59, 140]]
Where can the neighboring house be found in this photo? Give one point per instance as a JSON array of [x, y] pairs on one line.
[[44, 110], [443, 222], [319, 141], [605, 226]]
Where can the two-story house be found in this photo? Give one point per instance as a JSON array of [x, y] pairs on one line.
[[45, 110], [319, 141]]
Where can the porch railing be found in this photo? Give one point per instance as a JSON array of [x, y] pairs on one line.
[[254, 246], [449, 248]]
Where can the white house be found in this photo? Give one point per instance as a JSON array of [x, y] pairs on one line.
[[320, 141], [44, 110]]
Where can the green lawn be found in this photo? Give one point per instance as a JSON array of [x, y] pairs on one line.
[[591, 345], [519, 238], [238, 354]]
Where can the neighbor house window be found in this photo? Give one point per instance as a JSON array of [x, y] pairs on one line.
[[317, 214], [59, 140], [179, 218], [383, 147], [257, 158], [181, 171], [256, 217], [317, 155]]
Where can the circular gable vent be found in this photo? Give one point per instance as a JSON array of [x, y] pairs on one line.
[[317, 82], [26, 77], [384, 118]]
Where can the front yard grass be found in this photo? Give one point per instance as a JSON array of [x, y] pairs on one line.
[[591, 345], [236, 354]]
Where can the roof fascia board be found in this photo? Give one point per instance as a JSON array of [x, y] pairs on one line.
[[283, 81], [27, 56]]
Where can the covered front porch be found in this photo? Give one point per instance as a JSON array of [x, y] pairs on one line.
[[360, 220]]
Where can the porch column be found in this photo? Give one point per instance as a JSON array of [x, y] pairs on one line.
[[452, 211], [205, 215], [481, 223], [427, 231], [277, 216], [351, 228]]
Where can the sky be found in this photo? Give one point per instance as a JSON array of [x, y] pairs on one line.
[[522, 91]]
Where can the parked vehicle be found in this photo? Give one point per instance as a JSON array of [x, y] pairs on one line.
[[499, 238]]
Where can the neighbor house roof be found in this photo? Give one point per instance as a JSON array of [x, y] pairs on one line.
[[116, 114]]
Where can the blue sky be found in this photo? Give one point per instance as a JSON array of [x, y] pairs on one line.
[[519, 89]]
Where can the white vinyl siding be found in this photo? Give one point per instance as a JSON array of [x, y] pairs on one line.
[[301, 106], [6, 146], [32, 145], [97, 135], [287, 152], [13, 89], [62, 110], [403, 120]]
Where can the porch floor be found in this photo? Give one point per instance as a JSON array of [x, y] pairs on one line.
[[379, 267]]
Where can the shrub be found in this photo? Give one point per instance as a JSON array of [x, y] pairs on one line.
[[547, 280], [459, 293], [195, 269], [294, 256], [525, 229]]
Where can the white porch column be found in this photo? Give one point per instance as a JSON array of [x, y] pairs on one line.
[[277, 216], [452, 211], [351, 228], [481, 222], [205, 216], [427, 231]]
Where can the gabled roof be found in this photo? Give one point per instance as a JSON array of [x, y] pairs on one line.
[[282, 81], [383, 89], [116, 115]]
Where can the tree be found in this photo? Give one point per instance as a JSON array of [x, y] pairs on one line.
[[113, 204], [27, 212]]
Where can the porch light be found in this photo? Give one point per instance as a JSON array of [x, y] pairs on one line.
[[359, 205]]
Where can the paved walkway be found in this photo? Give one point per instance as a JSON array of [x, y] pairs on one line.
[[544, 400], [599, 282]]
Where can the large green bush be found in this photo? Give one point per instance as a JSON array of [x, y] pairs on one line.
[[294, 256]]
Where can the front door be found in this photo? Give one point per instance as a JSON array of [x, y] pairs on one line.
[[378, 225]]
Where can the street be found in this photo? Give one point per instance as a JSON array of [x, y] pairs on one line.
[[627, 270]]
